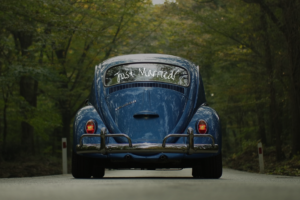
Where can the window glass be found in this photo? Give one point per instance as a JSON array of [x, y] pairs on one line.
[[146, 72]]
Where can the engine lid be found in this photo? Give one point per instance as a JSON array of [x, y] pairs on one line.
[[146, 114]]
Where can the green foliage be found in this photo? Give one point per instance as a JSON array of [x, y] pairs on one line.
[[247, 60], [243, 59], [47, 56]]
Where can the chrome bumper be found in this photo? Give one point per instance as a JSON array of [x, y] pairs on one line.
[[189, 148]]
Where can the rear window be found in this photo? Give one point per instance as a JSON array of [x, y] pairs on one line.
[[146, 72]]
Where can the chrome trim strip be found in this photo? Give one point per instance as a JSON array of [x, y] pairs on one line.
[[190, 148], [131, 102]]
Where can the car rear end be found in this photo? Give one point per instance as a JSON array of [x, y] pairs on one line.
[[148, 116]]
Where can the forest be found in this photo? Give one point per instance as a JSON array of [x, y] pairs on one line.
[[248, 53]]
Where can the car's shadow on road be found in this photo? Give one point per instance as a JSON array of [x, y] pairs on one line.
[[146, 178]]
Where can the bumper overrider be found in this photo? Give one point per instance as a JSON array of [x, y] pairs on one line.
[[189, 148]]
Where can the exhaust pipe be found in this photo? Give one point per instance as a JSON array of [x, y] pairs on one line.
[[128, 157], [163, 157]]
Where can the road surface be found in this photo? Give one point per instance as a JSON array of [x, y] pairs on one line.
[[144, 185]]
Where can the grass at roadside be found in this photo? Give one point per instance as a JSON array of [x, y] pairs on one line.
[[31, 166], [248, 161]]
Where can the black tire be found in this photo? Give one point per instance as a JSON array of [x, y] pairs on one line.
[[209, 168], [81, 166], [98, 169]]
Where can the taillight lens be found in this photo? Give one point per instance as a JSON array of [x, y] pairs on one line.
[[90, 126], [202, 127]]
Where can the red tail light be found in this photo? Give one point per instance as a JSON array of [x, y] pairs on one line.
[[90, 126], [202, 127]]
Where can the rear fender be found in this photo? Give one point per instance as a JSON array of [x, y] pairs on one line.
[[213, 122], [83, 115]]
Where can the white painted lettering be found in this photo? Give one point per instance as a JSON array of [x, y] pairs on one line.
[[144, 72]]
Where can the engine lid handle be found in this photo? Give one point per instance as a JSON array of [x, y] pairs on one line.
[[146, 113]]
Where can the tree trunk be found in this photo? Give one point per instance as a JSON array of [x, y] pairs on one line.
[[237, 144], [64, 103], [4, 126], [261, 120], [28, 90], [226, 144], [273, 114], [290, 10]]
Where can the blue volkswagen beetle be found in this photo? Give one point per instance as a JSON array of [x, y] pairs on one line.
[[147, 111]]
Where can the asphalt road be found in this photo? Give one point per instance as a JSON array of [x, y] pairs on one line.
[[141, 184]]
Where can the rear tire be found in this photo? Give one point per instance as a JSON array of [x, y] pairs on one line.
[[81, 166], [98, 169], [208, 168]]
